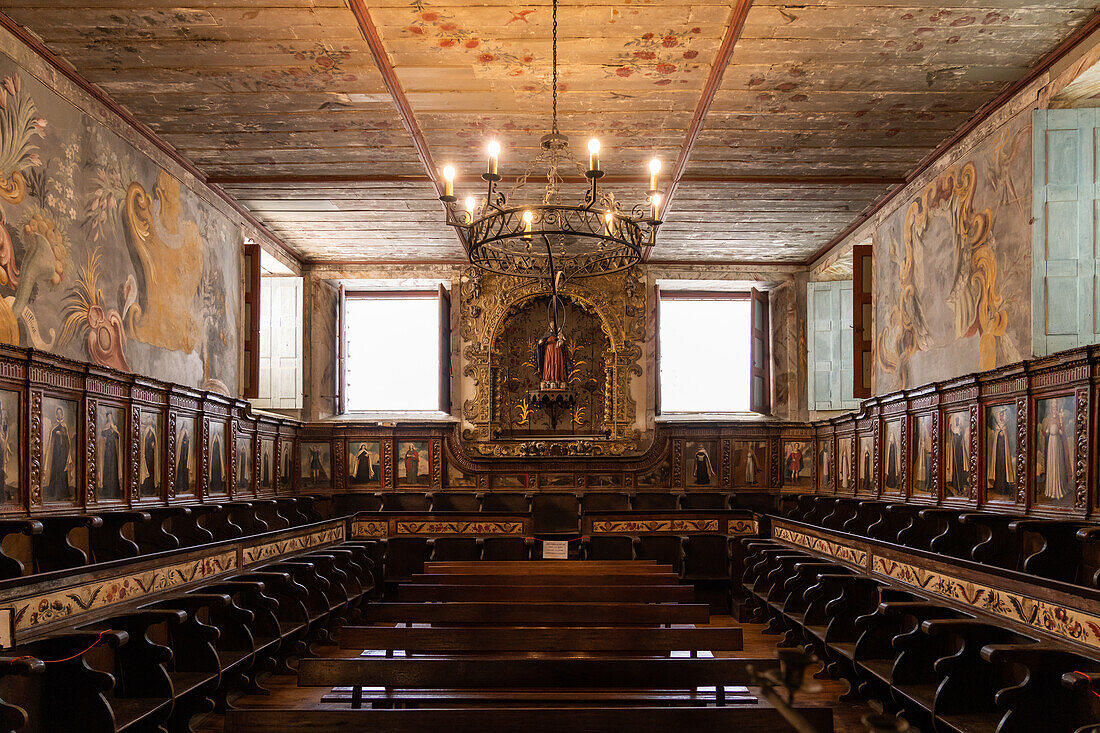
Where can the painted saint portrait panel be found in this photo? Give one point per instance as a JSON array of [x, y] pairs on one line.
[[865, 471], [183, 482], [284, 464], [700, 468], [1055, 483], [267, 468], [413, 463], [956, 454], [243, 456], [924, 480], [749, 459], [151, 447], [315, 464], [891, 457], [110, 427], [797, 464], [844, 481], [216, 478], [364, 463], [825, 464], [1000, 452], [59, 464], [11, 485]]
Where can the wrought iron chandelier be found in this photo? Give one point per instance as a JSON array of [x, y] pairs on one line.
[[593, 236]]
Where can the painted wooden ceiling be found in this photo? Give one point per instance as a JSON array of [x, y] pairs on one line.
[[823, 106]]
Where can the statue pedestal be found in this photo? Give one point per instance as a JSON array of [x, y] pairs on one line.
[[554, 401]]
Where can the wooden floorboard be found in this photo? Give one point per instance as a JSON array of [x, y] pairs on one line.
[[285, 692]]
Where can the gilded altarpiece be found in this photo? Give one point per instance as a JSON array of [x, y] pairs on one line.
[[501, 318]]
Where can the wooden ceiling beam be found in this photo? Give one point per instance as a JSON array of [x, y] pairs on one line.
[[400, 100], [807, 180], [710, 88], [34, 43], [982, 114]]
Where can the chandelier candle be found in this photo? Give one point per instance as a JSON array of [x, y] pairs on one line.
[[654, 174], [494, 157], [449, 181], [594, 155]]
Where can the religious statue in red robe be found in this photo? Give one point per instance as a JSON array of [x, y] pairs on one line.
[[553, 354]]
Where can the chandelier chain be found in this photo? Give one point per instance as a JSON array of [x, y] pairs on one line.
[[555, 48]]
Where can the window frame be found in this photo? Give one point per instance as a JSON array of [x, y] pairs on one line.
[[757, 299], [441, 294]]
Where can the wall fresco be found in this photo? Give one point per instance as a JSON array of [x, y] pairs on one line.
[[953, 268], [104, 256]]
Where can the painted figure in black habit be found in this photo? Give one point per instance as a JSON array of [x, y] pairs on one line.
[[703, 469], [867, 470], [957, 460], [242, 469], [1004, 477], [364, 470], [112, 486], [892, 464], [217, 472], [150, 487], [183, 463], [284, 477], [266, 478], [59, 488]]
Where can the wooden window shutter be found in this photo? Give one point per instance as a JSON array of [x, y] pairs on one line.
[[759, 366], [862, 269], [656, 349], [444, 350], [341, 353], [251, 347]]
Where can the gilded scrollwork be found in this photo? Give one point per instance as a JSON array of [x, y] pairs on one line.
[[488, 301]]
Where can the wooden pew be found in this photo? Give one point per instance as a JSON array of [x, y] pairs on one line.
[[760, 718], [640, 593], [560, 639], [548, 567], [537, 614], [556, 580]]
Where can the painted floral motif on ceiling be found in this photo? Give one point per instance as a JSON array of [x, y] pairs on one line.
[[957, 259], [663, 57], [447, 35], [315, 67], [104, 257]]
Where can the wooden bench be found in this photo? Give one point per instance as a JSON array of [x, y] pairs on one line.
[[559, 639], [520, 614], [555, 579], [548, 567], [759, 718], [498, 592]]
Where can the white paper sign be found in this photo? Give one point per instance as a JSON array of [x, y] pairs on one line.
[[555, 550]]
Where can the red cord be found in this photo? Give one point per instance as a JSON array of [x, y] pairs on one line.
[[1089, 678], [66, 659]]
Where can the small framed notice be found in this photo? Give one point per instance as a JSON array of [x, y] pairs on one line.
[[555, 550]]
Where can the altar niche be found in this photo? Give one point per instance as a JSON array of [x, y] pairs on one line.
[[519, 372]]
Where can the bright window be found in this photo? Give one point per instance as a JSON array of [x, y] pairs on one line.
[[391, 352], [705, 349]]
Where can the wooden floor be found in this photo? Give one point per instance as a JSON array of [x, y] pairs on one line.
[[286, 693]]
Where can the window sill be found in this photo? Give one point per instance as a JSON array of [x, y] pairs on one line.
[[395, 417], [686, 417]]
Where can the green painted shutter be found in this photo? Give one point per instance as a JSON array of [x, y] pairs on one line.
[[1064, 247], [829, 345]]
